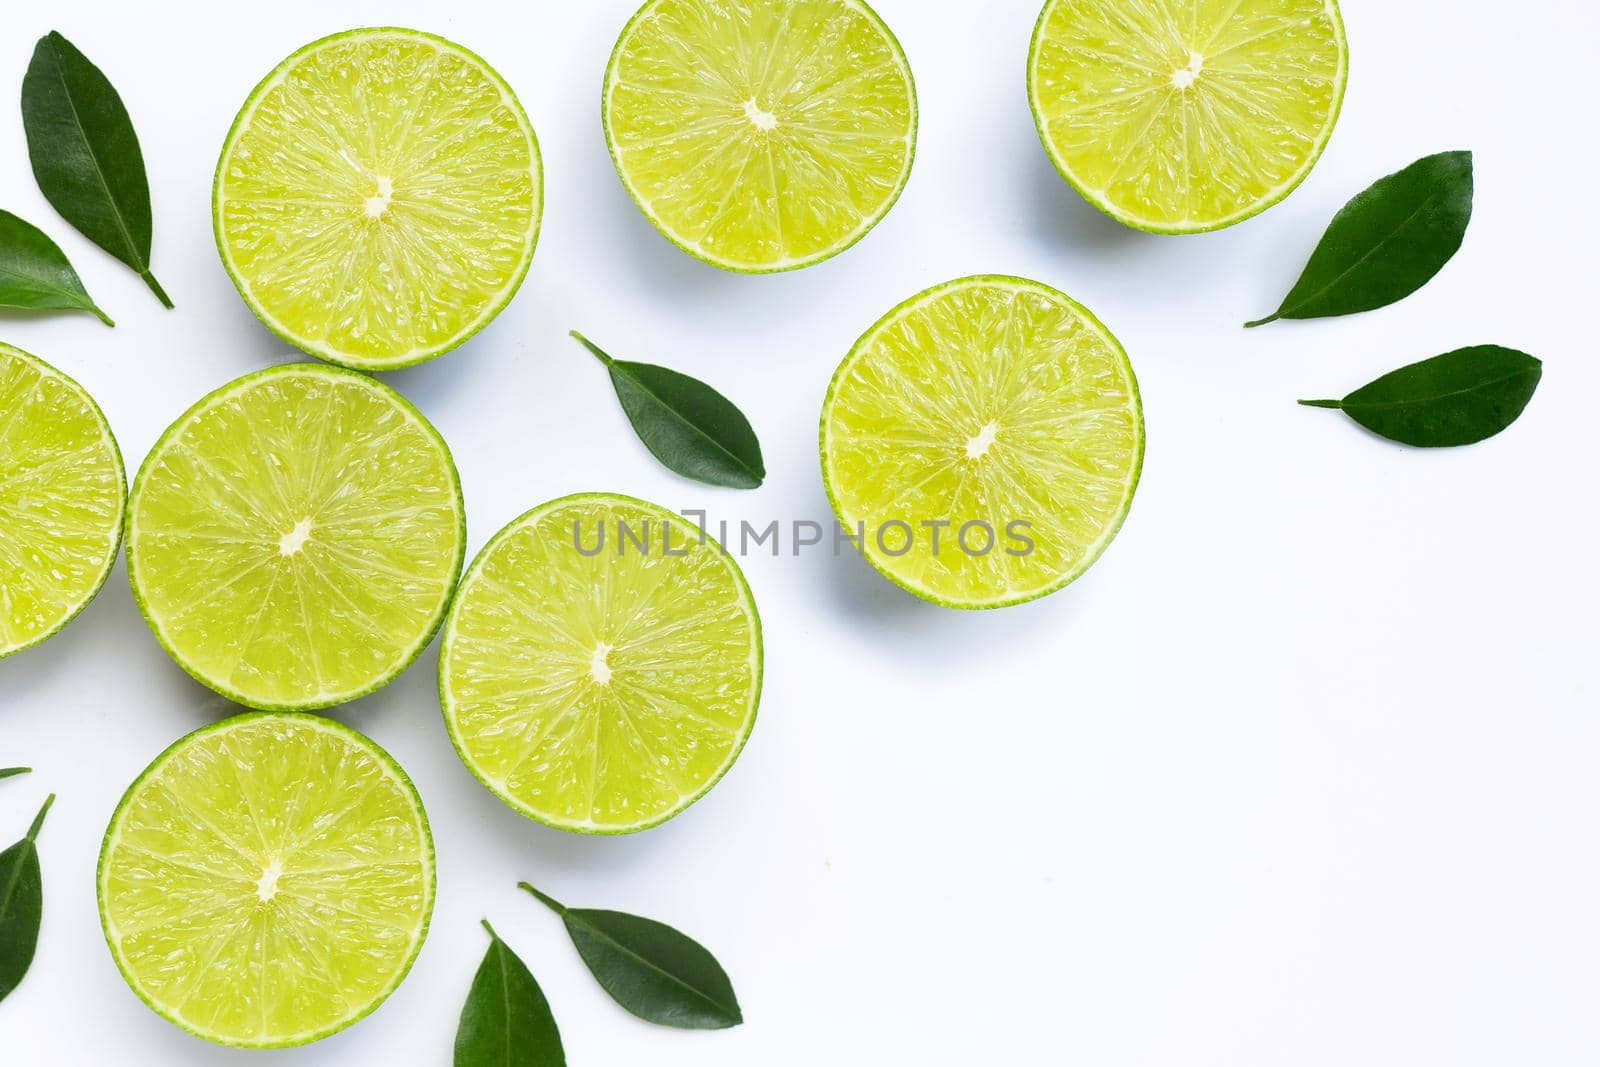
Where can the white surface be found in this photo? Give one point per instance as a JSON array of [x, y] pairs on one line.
[[1303, 772]]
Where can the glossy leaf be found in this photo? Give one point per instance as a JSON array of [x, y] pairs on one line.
[[12, 772], [506, 1021], [85, 155], [1455, 399], [651, 969], [691, 428], [21, 904], [35, 274], [1386, 243]]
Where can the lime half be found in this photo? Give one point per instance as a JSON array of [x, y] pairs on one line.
[[294, 538], [760, 136], [983, 441], [62, 492], [601, 666], [267, 881], [1179, 116], [378, 198]]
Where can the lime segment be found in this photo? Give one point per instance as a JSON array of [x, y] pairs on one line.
[[983, 441], [596, 685], [378, 198], [1179, 116], [268, 880], [294, 538], [764, 136], [62, 492]]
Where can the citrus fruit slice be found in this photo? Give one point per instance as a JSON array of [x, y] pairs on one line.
[[982, 442], [293, 538], [1177, 116], [62, 492], [267, 881], [378, 198], [601, 665], [764, 136]]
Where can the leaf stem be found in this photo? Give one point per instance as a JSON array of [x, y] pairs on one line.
[[101, 315], [38, 820], [591, 346], [549, 902], [1334, 404], [12, 772], [489, 928], [155, 287], [1274, 317]]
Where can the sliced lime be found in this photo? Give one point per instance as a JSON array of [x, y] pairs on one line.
[[606, 689], [294, 538], [268, 880], [1178, 116], [378, 198], [983, 441], [62, 492], [762, 137]]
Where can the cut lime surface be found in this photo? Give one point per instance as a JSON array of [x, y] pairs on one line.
[[1177, 116], [268, 880], [378, 198], [294, 538], [760, 136], [601, 691], [983, 440], [62, 491]]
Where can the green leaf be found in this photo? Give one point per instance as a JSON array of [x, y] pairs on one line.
[[12, 772], [1386, 243], [651, 969], [506, 1021], [21, 903], [1458, 398], [85, 154], [35, 274], [691, 428]]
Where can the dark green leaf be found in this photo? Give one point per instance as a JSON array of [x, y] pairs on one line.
[[85, 154], [35, 274], [506, 1021], [12, 772], [651, 969], [21, 903], [687, 425], [1455, 399], [1386, 243]]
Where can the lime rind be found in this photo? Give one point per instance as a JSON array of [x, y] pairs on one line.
[[447, 702], [494, 308], [386, 761], [318, 703], [1136, 468], [868, 223], [115, 544], [1269, 200]]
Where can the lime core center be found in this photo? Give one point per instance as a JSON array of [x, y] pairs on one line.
[[761, 120], [377, 204], [293, 541], [1183, 79], [599, 669], [978, 444], [267, 884]]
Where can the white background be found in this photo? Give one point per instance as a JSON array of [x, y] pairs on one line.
[[1303, 772]]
